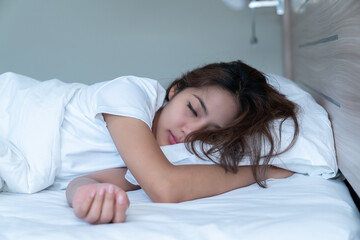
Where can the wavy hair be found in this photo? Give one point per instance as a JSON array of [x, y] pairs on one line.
[[260, 105]]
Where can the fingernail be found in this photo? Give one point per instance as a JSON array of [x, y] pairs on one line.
[[111, 189], [92, 195], [120, 200], [101, 192]]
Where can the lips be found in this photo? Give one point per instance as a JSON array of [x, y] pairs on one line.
[[172, 138]]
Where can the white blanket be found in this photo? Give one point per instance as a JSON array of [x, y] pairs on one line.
[[31, 113]]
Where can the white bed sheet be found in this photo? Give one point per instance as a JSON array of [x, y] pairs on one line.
[[299, 207]]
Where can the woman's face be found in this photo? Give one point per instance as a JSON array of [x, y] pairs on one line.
[[193, 109]]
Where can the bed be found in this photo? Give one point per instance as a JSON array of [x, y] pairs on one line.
[[300, 207], [314, 203]]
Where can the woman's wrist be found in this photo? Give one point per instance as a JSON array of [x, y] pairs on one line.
[[75, 184]]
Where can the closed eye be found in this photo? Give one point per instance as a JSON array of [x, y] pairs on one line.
[[192, 109]]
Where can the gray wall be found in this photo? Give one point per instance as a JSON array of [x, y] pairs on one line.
[[96, 40]]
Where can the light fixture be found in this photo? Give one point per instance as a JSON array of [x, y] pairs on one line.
[[279, 4]]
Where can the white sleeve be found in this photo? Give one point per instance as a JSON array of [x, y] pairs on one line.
[[128, 96]]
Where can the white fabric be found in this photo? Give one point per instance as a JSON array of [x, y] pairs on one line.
[[314, 151], [312, 154], [297, 208], [31, 113], [86, 144]]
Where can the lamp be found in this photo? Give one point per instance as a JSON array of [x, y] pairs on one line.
[[279, 4]]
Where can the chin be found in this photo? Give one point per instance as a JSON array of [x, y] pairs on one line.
[[163, 143]]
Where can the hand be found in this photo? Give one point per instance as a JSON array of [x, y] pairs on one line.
[[100, 203]]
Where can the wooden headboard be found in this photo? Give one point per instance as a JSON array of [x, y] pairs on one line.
[[322, 54]]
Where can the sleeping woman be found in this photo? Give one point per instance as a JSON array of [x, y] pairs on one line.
[[223, 112]]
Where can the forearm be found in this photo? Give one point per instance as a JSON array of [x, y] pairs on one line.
[[199, 181], [190, 182]]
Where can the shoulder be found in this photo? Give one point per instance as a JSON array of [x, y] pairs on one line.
[[134, 81], [129, 86], [130, 96]]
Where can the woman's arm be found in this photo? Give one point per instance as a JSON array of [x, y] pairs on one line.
[[164, 182]]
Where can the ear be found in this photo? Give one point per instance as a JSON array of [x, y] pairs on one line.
[[172, 92]]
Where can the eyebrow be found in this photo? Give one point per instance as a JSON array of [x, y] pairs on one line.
[[201, 103], [204, 108]]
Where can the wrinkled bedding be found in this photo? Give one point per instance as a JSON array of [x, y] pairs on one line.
[[297, 208], [31, 113]]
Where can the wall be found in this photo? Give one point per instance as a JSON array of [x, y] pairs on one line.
[[95, 40]]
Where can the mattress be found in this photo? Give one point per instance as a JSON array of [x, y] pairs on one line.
[[299, 207]]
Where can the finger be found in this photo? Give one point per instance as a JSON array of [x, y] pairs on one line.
[[96, 207], [122, 204], [81, 209], [107, 212]]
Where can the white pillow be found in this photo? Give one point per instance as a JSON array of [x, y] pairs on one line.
[[313, 152]]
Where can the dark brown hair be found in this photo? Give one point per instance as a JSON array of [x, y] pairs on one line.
[[260, 105]]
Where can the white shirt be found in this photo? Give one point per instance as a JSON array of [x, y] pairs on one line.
[[86, 144]]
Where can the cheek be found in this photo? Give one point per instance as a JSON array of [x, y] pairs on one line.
[[169, 118], [176, 119], [176, 113]]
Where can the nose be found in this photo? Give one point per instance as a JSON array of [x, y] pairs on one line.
[[193, 126]]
